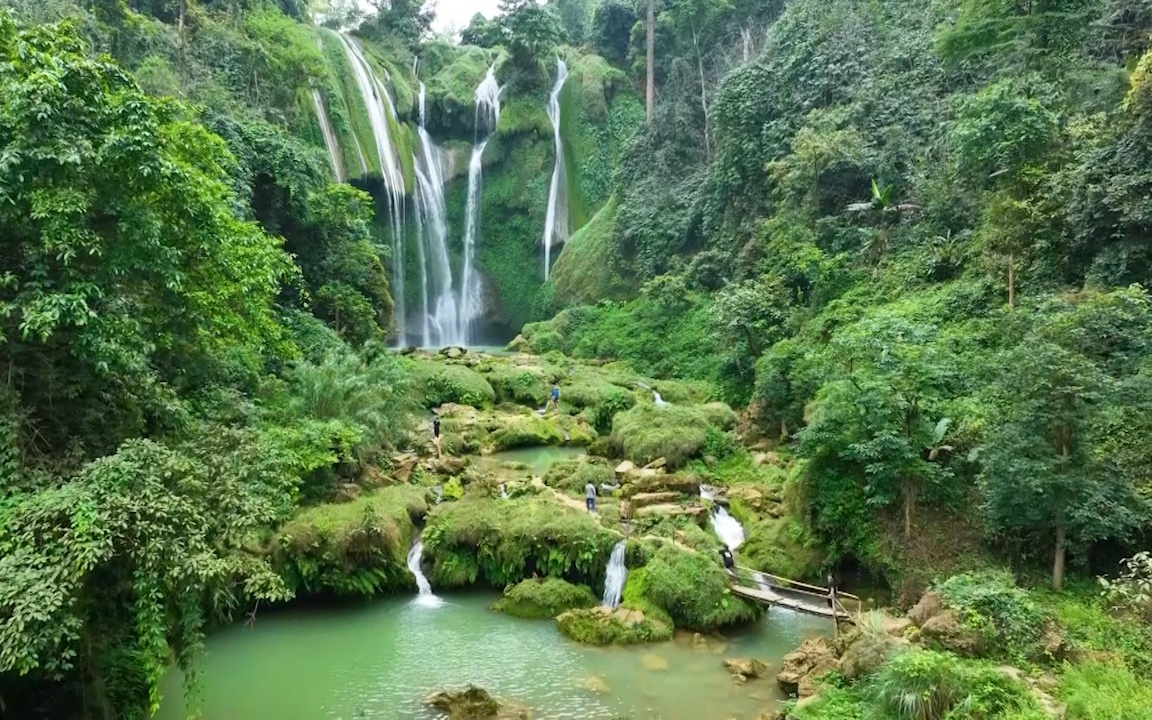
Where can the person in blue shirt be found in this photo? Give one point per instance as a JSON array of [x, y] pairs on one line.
[[556, 397]]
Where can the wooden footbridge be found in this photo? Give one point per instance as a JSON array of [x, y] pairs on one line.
[[791, 594]]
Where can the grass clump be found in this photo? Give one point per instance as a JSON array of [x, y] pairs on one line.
[[438, 383], [601, 626], [1007, 616], [1104, 691], [676, 433], [356, 548], [523, 386], [539, 599], [501, 543], [572, 475], [693, 590]]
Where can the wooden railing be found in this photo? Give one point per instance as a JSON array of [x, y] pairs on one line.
[[753, 576]]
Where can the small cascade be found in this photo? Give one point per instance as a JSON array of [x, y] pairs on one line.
[[329, 137], [615, 577], [556, 220], [380, 111], [487, 99], [439, 493], [660, 402], [726, 527], [503, 491], [425, 597]]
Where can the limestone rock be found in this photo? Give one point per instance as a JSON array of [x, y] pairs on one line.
[[625, 467], [448, 465], [698, 513], [656, 498], [929, 606], [897, 627], [594, 683], [344, 492], [948, 631], [652, 661], [518, 344], [766, 458], [656, 464], [403, 465], [682, 484], [1055, 646], [812, 660], [748, 667], [453, 353], [751, 497], [474, 703], [867, 653]]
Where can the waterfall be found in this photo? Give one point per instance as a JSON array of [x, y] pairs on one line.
[[503, 491], [660, 402], [726, 527], [425, 597], [487, 99], [440, 323], [556, 220], [615, 577], [380, 111], [329, 136]]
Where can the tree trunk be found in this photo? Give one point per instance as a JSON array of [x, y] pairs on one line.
[[703, 95], [1058, 564], [1011, 281], [651, 97], [783, 429], [911, 491]]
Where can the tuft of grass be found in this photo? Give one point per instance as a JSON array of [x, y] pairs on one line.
[[1105, 691]]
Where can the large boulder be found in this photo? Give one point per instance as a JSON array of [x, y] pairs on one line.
[[474, 703], [929, 607], [947, 631], [807, 664], [608, 626], [747, 667], [539, 599], [681, 484], [867, 653]]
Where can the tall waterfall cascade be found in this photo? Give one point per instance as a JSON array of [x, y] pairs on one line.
[[556, 219], [381, 110], [425, 596], [615, 577], [726, 527], [330, 143]]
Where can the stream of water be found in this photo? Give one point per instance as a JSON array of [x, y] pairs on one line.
[[382, 659], [615, 576], [556, 218]]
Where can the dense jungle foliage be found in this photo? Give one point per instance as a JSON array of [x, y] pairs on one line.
[[907, 238]]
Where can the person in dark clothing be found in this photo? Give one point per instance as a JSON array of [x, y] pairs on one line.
[[436, 432], [831, 591], [729, 561], [590, 497]]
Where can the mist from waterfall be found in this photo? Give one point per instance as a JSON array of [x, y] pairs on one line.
[[380, 109], [556, 220]]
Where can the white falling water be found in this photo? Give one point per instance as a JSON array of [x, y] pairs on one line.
[[487, 117], [329, 136], [380, 111], [660, 402], [615, 577], [726, 527], [556, 220], [440, 324], [425, 596]]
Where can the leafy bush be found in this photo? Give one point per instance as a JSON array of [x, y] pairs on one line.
[[925, 685], [781, 546], [573, 475], [676, 433], [1132, 591], [1090, 626], [501, 543], [1007, 615], [537, 599], [693, 590], [1099, 691], [438, 383]]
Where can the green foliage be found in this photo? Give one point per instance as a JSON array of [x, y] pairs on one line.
[[586, 271], [501, 543], [355, 548], [676, 433], [693, 590], [523, 385], [541, 599], [1010, 620], [1095, 691], [781, 546], [437, 383], [574, 475], [600, 627]]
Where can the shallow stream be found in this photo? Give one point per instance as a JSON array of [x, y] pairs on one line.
[[382, 659]]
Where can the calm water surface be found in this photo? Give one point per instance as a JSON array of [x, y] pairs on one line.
[[381, 660], [538, 459]]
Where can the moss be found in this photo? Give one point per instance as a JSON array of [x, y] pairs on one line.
[[437, 383], [526, 386], [676, 433], [693, 589], [600, 626], [452, 73], [587, 270], [347, 110], [573, 475], [356, 548], [527, 431], [538, 599], [501, 542], [781, 546]]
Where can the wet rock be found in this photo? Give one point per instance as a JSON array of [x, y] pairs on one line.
[[657, 498], [593, 683], [607, 626], [518, 344], [453, 353], [652, 661], [474, 703], [947, 631], [698, 513], [812, 660], [408, 350], [929, 607], [751, 497], [739, 679], [748, 667], [682, 484]]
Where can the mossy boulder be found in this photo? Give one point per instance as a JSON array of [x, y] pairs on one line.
[[440, 382], [587, 270], [693, 589], [605, 626], [475, 703], [527, 386], [572, 475], [352, 548], [542, 598], [676, 433], [781, 546]]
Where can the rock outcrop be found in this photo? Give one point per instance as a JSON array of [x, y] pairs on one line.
[[802, 668], [947, 631], [474, 703], [746, 668], [605, 626], [929, 607]]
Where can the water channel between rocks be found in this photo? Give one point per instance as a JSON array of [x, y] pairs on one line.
[[382, 659]]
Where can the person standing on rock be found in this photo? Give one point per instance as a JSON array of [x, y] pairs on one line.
[[555, 397], [726, 555], [436, 432], [832, 592], [590, 497]]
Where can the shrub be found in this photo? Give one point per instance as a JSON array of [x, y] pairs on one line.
[[356, 548], [781, 546], [676, 433], [693, 590], [527, 431], [513, 384], [1132, 591], [1099, 691], [1007, 616], [573, 475], [599, 626], [501, 542], [539, 599], [437, 383]]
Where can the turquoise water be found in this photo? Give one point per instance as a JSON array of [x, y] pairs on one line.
[[538, 459], [381, 660]]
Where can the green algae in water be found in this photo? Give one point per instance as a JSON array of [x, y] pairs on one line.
[[381, 660]]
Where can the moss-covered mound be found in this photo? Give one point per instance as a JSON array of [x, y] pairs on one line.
[[501, 543], [572, 475], [594, 393], [604, 626], [437, 383], [539, 599], [587, 270], [675, 432], [693, 589], [781, 546], [533, 430], [528, 386], [356, 548]]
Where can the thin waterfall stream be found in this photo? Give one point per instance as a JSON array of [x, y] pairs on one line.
[[615, 577], [487, 99], [556, 219], [425, 596], [330, 142], [726, 527]]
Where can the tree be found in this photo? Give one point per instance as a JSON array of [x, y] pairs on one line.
[[482, 32], [696, 21], [650, 94], [531, 31], [574, 17], [1050, 398], [612, 24]]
